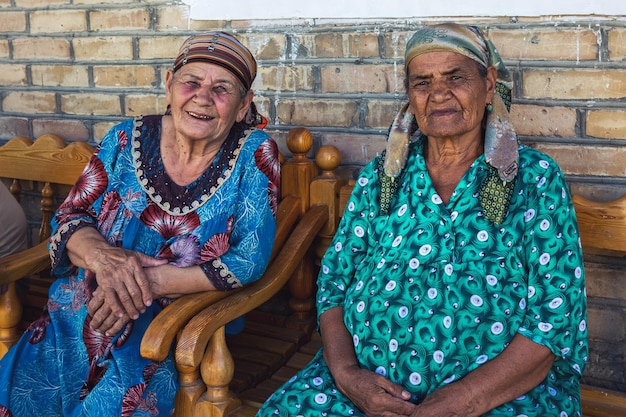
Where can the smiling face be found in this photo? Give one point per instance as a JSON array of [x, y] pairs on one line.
[[448, 95], [205, 101]]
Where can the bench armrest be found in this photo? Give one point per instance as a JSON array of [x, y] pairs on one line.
[[21, 264]]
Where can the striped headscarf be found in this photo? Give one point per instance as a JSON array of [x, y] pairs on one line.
[[500, 141], [222, 49]]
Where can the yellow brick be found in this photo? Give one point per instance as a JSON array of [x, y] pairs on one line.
[[13, 21], [316, 112], [12, 74], [5, 3], [380, 114], [91, 104], [123, 76], [546, 44], [208, 25], [137, 104], [54, 21], [606, 124], [533, 120], [29, 102], [356, 149], [38, 3], [70, 130], [395, 44], [4, 48], [284, 78], [40, 48], [362, 79], [99, 2], [265, 47], [13, 126], [174, 17], [617, 44], [338, 45], [575, 84], [100, 129], [587, 160], [160, 47], [60, 75], [103, 48], [119, 19], [329, 45]]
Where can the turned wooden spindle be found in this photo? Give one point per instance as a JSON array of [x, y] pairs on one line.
[[47, 194], [217, 401], [325, 190], [190, 390], [296, 176]]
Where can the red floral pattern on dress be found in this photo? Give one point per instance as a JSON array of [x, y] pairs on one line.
[[123, 138], [89, 186], [110, 206], [133, 397], [38, 327], [183, 252], [266, 158], [169, 225], [218, 244], [4, 412]]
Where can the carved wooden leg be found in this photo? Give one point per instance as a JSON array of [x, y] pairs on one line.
[[217, 370], [191, 388], [10, 316]]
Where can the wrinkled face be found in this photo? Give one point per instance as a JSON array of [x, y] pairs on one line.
[[205, 101], [448, 95]]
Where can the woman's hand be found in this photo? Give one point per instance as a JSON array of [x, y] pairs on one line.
[[119, 272], [102, 317], [121, 278], [374, 394]]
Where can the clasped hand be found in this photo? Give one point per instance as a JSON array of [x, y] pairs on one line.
[[124, 289]]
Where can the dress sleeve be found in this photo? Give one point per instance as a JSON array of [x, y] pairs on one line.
[[556, 313], [83, 203], [253, 223], [350, 243]]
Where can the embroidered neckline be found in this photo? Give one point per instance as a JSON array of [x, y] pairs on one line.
[[170, 197]]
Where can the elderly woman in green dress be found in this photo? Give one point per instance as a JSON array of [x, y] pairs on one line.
[[454, 285]]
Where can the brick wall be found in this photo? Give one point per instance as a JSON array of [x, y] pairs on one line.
[[76, 67]]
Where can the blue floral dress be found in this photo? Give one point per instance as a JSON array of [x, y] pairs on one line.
[[431, 291], [224, 222]]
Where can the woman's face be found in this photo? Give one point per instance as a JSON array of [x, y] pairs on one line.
[[448, 95], [205, 101]]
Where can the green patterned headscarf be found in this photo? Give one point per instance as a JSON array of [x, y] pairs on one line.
[[501, 146]]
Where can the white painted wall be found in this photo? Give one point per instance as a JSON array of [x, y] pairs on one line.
[[371, 9]]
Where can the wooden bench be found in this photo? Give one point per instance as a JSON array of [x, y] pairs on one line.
[[602, 228], [195, 323], [232, 375], [49, 167]]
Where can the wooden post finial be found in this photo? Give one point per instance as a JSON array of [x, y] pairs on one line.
[[299, 142]]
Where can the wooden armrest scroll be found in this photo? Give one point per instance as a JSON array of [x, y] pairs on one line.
[[195, 336], [24, 263], [160, 334]]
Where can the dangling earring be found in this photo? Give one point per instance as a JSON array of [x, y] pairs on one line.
[[489, 107]]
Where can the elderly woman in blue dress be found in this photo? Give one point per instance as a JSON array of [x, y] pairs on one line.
[[168, 205], [454, 285]]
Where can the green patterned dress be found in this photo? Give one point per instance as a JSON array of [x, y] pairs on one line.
[[431, 291]]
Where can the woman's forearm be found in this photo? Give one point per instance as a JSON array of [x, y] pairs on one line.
[[172, 281], [338, 346], [86, 246]]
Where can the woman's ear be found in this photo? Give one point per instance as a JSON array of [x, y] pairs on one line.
[[245, 105], [169, 77]]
